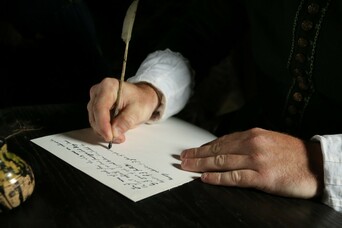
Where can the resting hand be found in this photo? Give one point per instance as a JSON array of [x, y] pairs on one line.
[[137, 104], [269, 161]]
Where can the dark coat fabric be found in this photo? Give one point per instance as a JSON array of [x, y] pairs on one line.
[[287, 55]]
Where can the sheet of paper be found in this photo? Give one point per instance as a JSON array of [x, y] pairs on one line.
[[147, 163]]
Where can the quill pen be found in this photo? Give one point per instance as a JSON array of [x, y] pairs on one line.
[[126, 37]]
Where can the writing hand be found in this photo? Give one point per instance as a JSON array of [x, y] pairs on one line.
[[138, 102], [266, 160]]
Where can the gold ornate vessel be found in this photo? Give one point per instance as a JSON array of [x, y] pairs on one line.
[[16, 178]]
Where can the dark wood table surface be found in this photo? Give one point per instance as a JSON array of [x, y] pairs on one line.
[[66, 197]]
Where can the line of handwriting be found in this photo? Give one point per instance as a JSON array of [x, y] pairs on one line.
[[124, 170]]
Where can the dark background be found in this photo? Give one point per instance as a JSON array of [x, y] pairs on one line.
[[53, 51]]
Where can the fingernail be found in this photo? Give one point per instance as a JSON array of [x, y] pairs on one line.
[[117, 135], [116, 140], [204, 176], [116, 132]]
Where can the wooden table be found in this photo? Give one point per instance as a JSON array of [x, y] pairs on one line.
[[66, 197]]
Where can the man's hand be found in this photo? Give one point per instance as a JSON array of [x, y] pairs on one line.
[[266, 160], [137, 103]]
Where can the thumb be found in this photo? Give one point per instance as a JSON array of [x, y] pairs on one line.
[[123, 122]]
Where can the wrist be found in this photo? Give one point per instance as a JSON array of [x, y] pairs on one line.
[[154, 97]]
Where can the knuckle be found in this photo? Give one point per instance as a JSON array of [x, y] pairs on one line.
[[89, 107], [256, 137], [256, 141], [92, 90], [197, 163], [193, 152], [216, 147], [107, 80], [129, 121], [217, 178], [220, 161], [109, 83], [235, 177]]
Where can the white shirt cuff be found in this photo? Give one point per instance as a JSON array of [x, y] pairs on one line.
[[332, 161], [170, 73]]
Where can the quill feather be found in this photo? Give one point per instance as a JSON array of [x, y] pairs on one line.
[[126, 37], [129, 21]]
